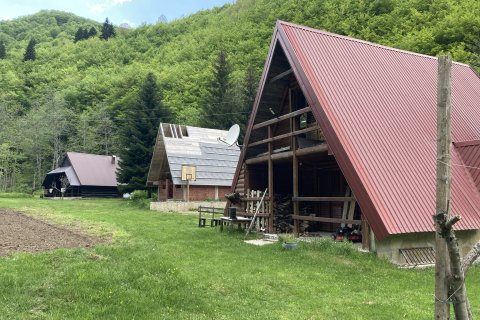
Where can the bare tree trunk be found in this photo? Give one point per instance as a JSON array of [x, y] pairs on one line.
[[443, 222], [458, 294], [442, 307]]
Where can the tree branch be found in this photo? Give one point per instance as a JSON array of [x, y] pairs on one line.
[[470, 258], [450, 222]]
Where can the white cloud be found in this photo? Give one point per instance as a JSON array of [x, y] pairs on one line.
[[97, 8], [120, 2], [103, 6]]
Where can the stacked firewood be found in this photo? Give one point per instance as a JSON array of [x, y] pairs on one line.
[[283, 210]]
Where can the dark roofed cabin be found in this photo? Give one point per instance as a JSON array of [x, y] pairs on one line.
[[352, 142], [88, 175]]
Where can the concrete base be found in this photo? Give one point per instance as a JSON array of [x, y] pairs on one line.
[[389, 247], [182, 206]]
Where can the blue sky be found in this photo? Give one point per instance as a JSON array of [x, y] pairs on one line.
[[134, 12]]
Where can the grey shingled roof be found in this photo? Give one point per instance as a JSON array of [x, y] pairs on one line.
[[69, 172], [215, 161]]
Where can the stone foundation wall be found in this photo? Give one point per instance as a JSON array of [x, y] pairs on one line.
[[389, 247], [182, 206]]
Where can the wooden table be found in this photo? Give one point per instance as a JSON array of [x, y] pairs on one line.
[[240, 221]]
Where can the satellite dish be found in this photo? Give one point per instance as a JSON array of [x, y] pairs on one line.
[[232, 135]]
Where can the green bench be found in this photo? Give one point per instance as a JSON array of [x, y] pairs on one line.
[[214, 215]]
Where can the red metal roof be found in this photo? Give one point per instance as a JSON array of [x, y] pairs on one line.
[[377, 108], [469, 152], [93, 169]]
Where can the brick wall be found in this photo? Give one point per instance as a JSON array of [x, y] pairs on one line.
[[197, 193]]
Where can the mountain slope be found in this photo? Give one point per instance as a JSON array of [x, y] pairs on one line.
[[95, 76]]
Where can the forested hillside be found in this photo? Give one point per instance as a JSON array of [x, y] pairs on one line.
[[77, 95]]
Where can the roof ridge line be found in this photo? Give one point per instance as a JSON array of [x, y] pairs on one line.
[[348, 38]]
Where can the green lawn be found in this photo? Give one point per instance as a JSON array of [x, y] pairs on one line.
[[162, 266]]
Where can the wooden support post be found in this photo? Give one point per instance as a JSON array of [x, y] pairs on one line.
[[296, 205], [345, 205], [270, 180], [167, 188], [365, 234], [159, 190], [442, 263], [188, 190]]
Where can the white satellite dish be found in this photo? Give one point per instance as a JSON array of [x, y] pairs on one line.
[[232, 135]]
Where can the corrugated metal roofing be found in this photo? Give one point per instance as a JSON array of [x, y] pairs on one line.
[[93, 169], [469, 152], [215, 161], [377, 108]]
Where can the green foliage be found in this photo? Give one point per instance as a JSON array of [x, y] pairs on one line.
[[139, 195], [84, 33], [108, 30], [288, 238], [3, 50], [15, 195], [30, 53], [139, 134], [100, 81]]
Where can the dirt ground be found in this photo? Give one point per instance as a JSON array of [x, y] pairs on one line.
[[19, 232]]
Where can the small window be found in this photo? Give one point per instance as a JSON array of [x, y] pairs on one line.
[[167, 131], [184, 131], [303, 121]]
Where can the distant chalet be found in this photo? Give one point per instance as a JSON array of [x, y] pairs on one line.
[[179, 145], [89, 175]]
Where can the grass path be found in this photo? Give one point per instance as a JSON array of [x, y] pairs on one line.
[[161, 266]]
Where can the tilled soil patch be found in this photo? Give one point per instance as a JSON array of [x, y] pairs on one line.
[[19, 232]]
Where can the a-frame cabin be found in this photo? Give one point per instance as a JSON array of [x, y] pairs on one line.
[[342, 133]]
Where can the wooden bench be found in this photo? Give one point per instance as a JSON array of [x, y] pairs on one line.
[[214, 215]]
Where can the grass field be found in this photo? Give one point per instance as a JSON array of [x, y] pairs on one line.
[[162, 266]]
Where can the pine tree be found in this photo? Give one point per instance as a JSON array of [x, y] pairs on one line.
[[3, 50], [30, 53], [92, 32], [80, 34], [108, 30], [139, 136], [216, 104], [249, 86]]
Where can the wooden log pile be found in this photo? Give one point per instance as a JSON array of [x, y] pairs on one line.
[[283, 211]]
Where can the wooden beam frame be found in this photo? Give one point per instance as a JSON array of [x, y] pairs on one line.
[[281, 118], [323, 199], [283, 136], [288, 154], [325, 219], [281, 75]]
